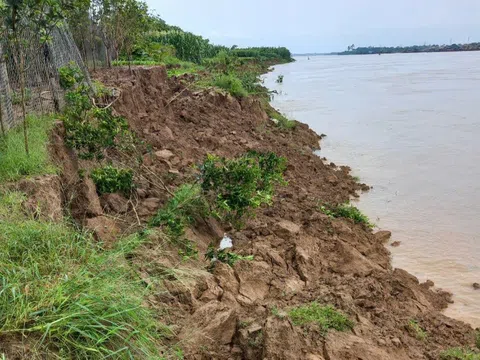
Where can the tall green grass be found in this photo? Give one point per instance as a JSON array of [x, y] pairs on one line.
[[14, 162], [67, 295]]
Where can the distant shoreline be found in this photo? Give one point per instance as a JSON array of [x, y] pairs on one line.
[[374, 50]]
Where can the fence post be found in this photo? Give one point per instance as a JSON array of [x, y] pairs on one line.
[[6, 109]]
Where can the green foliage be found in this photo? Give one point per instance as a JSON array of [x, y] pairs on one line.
[[110, 179], [90, 129], [188, 47], [265, 53], [225, 256], [14, 162], [459, 354], [280, 79], [417, 330], [477, 338], [231, 84], [181, 211], [59, 289], [69, 76], [236, 186], [281, 120], [326, 317], [346, 211], [366, 50]]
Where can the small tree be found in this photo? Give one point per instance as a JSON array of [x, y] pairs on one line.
[[27, 26]]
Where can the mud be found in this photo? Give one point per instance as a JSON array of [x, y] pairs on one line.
[[300, 254]]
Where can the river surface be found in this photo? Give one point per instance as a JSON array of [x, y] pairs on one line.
[[408, 125]]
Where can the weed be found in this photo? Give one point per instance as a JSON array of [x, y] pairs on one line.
[[231, 84], [416, 329], [477, 338], [225, 256], [280, 79], [14, 162], [58, 287], [356, 179], [187, 205], [281, 120], [459, 354], [89, 129], [237, 186], [326, 317], [110, 179], [346, 211], [276, 312]]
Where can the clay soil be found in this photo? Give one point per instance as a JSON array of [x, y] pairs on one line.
[[300, 254]]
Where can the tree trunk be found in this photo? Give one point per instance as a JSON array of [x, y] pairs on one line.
[[6, 109]]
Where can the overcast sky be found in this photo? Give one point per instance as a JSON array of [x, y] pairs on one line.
[[325, 25]]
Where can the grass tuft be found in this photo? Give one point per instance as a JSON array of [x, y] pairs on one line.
[[232, 84], [326, 317], [14, 162], [459, 354], [346, 211], [58, 288]]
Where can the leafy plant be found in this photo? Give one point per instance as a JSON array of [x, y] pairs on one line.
[[225, 256], [90, 129], [187, 205], [281, 120], [326, 317], [280, 79], [110, 179], [416, 329], [459, 354], [232, 84], [346, 211], [17, 96], [69, 76], [477, 338], [237, 186]]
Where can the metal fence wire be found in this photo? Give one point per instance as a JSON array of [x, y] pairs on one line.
[[43, 94]]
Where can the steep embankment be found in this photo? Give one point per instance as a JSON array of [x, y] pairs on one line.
[[300, 254]]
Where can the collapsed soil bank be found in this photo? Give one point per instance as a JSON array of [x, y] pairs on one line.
[[300, 254]]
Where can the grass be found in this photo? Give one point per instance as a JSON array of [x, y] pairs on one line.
[[459, 354], [231, 84], [14, 162], [416, 329], [281, 120], [326, 317], [347, 211], [75, 300]]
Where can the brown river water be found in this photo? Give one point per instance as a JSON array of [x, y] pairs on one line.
[[408, 125]]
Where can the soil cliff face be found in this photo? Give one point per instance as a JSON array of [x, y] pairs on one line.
[[300, 254]]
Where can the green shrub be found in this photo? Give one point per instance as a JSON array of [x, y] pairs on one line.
[[14, 162], [231, 84], [69, 76], [59, 290], [459, 354], [346, 211], [326, 317], [281, 120], [90, 129], [110, 179], [182, 210], [477, 339], [280, 79], [225, 256], [236, 186]]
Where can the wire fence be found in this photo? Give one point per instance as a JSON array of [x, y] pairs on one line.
[[40, 63]]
